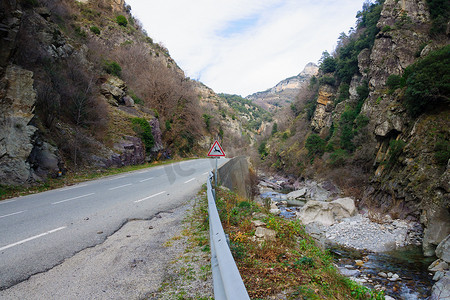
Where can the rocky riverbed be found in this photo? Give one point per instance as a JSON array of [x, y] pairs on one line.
[[372, 249]]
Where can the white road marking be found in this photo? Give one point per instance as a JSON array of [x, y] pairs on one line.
[[16, 213], [206, 173], [118, 177], [70, 199], [31, 238], [120, 186], [143, 180], [71, 187], [7, 201], [142, 172], [190, 180], [146, 198]]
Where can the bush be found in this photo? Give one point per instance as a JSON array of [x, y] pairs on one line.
[[440, 13], [112, 67], [262, 149], [394, 82], [121, 20], [143, 129], [327, 80], [344, 92], [395, 149], [327, 63], [442, 152], [207, 119], [428, 81], [338, 157], [95, 30], [315, 145]]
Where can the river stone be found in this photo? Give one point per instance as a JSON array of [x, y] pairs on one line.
[[258, 223], [297, 194], [327, 213], [443, 249], [441, 289], [438, 265]]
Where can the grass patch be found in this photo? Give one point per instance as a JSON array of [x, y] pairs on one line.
[[292, 264]]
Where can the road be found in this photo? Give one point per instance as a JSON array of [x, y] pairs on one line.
[[38, 232]]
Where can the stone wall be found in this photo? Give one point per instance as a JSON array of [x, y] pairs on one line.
[[235, 175]]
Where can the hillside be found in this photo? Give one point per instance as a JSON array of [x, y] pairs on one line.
[[285, 91], [83, 87], [375, 121]]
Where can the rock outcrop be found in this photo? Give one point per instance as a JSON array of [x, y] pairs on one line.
[[17, 103], [327, 213]]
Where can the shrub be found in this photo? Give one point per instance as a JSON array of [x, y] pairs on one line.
[[327, 80], [112, 67], [168, 125], [428, 81], [327, 63], [121, 20], [338, 157], [394, 82], [386, 28], [207, 119], [442, 152], [95, 30], [262, 149], [344, 92], [440, 13], [143, 129], [315, 145], [274, 128], [395, 149]]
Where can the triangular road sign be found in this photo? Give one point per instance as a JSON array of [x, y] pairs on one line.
[[216, 150]]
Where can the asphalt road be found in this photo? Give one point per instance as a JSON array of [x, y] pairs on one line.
[[38, 232]]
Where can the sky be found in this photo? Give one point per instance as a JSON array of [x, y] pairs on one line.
[[245, 46]]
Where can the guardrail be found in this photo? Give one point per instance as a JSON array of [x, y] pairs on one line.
[[226, 278]]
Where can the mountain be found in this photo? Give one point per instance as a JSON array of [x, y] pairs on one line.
[[285, 91], [84, 88], [376, 120]]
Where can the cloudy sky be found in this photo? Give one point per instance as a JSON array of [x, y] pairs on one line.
[[245, 46]]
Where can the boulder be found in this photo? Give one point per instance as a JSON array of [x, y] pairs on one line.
[[327, 213], [157, 135], [441, 289], [443, 249], [128, 101], [266, 234], [44, 160], [297, 194], [438, 265]]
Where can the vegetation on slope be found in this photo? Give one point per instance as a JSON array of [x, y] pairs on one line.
[[291, 263]]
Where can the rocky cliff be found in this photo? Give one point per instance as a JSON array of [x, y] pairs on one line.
[[285, 91], [77, 79], [376, 122]]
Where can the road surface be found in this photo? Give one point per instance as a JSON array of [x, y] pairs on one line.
[[38, 232]]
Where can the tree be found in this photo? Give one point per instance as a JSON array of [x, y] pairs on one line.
[[327, 63]]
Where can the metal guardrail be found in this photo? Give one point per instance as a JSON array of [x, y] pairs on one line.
[[226, 278]]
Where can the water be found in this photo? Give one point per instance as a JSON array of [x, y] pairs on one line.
[[409, 263]]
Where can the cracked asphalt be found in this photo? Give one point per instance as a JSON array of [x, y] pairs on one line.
[[43, 233]]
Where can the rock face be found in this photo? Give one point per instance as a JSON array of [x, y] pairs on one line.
[[16, 111], [443, 249], [327, 213], [395, 49], [132, 152], [285, 91]]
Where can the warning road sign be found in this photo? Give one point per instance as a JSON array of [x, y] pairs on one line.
[[216, 150]]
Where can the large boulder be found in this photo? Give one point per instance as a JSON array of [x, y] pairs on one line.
[[441, 289], [327, 213], [443, 249]]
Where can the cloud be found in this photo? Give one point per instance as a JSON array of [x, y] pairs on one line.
[[242, 47]]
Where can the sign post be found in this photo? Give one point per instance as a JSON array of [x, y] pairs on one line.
[[216, 151]]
